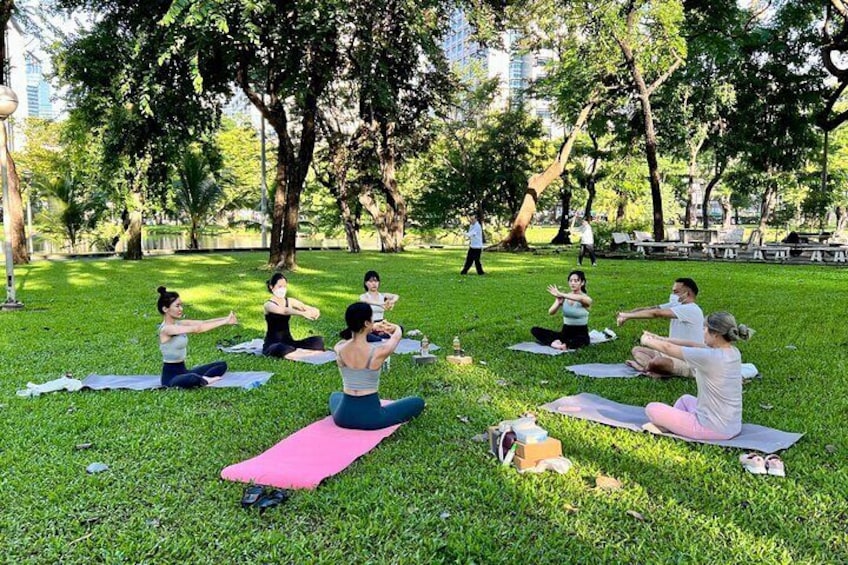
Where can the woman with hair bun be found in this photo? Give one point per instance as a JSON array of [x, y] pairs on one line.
[[358, 406], [173, 343], [278, 312], [716, 413]]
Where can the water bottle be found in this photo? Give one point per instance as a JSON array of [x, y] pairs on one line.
[[425, 346], [387, 364], [457, 348]]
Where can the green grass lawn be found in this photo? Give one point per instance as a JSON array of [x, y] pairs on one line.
[[428, 493]]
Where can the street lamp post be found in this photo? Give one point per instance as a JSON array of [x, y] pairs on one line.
[[263, 207], [8, 105]]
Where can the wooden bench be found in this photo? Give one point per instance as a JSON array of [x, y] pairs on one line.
[[683, 248], [622, 239], [781, 252], [729, 250]]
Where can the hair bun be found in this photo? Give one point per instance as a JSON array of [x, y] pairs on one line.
[[161, 290], [744, 332]]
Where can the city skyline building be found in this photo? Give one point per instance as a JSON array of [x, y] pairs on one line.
[[515, 70]]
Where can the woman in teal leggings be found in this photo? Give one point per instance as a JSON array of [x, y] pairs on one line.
[[358, 406]]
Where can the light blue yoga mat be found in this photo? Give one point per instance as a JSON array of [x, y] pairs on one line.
[[149, 382], [585, 406]]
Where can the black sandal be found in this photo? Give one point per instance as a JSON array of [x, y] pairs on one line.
[[273, 498], [252, 495]]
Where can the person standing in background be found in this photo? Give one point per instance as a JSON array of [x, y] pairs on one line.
[[587, 241], [475, 246]]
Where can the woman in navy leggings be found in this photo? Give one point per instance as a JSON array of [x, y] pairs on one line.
[[173, 342], [359, 407]]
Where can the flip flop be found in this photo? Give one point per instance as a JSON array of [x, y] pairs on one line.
[[775, 466], [273, 498], [252, 494], [753, 463]]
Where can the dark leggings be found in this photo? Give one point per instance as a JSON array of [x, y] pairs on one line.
[[375, 337], [176, 374], [584, 249], [366, 413], [573, 337], [473, 256], [281, 349]]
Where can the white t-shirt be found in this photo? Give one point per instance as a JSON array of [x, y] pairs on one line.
[[377, 305], [689, 323], [587, 236], [475, 236], [718, 373]]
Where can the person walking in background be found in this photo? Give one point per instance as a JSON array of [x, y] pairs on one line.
[[475, 246], [587, 241]]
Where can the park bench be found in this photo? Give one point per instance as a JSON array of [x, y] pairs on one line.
[[728, 250], [622, 239], [818, 252], [642, 247], [781, 252]]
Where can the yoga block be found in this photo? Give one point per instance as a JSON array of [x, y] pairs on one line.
[[535, 452], [460, 359], [424, 359], [521, 463]]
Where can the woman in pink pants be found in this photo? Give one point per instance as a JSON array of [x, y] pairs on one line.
[[716, 413]]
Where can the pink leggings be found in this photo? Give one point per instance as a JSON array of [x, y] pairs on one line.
[[681, 419]]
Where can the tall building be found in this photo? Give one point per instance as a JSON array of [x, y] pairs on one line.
[[515, 70], [38, 91]]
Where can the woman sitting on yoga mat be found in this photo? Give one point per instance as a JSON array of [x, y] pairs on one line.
[[717, 366], [358, 407], [380, 302], [173, 343], [575, 315], [278, 311]]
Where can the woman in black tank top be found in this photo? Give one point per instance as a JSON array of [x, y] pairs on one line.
[[278, 312]]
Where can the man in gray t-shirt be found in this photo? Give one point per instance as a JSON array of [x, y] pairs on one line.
[[686, 324]]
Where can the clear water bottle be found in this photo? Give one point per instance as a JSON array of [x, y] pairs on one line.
[[425, 346], [457, 347], [387, 364]]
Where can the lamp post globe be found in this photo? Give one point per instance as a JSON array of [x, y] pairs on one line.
[[8, 105], [8, 102]]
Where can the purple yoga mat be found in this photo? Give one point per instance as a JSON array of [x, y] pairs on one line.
[[586, 406]]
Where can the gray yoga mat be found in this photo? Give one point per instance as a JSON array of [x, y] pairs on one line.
[[534, 347], [598, 409], [149, 382], [309, 356], [622, 370], [407, 345]]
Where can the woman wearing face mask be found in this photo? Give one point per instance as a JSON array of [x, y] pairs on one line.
[[575, 315], [716, 413], [380, 302], [173, 343], [278, 311]]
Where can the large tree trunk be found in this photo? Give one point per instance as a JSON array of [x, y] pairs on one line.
[[537, 184], [841, 219], [767, 203], [691, 214], [563, 237], [395, 219], [132, 225], [20, 253], [644, 92], [705, 204], [726, 211], [366, 198]]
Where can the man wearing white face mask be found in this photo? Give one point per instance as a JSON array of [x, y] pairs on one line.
[[686, 328]]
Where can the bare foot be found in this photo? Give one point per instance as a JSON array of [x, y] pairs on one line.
[[210, 380], [557, 344], [634, 365]]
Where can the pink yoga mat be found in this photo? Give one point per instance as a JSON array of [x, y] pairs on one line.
[[308, 456]]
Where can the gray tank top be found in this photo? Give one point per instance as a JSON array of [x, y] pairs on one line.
[[174, 350], [360, 379]]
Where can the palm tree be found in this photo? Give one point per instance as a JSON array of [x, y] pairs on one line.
[[198, 193], [68, 212]]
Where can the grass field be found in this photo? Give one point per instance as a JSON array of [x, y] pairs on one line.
[[428, 493]]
